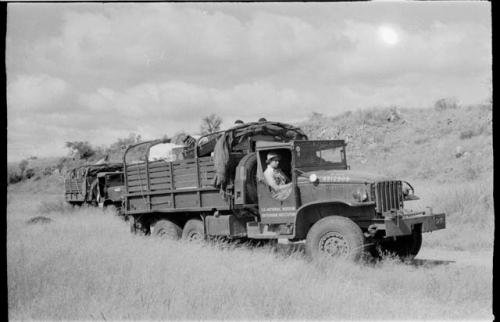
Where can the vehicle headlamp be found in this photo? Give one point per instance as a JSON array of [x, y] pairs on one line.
[[406, 189], [360, 195], [408, 192], [313, 178]]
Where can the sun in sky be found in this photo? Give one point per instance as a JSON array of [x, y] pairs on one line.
[[388, 35]]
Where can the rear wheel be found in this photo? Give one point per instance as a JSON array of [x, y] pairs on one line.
[[193, 230], [166, 229], [337, 237]]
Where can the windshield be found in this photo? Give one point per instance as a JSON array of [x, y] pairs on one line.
[[320, 154]]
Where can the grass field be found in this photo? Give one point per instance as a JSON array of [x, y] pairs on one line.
[[85, 265]]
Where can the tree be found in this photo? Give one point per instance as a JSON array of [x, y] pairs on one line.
[[22, 166], [122, 143], [210, 124], [81, 149], [446, 103]]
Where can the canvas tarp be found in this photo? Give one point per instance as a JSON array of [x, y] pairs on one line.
[[94, 169], [227, 140]]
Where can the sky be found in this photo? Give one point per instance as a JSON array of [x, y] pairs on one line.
[[97, 72]]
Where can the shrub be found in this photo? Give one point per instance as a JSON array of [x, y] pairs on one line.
[[82, 149], [446, 103], [421, 140], [29, 173], [22, 166], [373, 116], [467, 134], [47, 171], [14, 177]]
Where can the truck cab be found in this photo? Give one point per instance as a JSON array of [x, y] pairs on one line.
[[109, 189], [324, 191]]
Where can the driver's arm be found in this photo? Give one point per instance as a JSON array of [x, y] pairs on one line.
[[268, 176]]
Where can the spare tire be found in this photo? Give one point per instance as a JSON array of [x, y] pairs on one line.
[[249, 163]]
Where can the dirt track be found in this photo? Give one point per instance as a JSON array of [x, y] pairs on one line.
[[439, 256], [430, 256]]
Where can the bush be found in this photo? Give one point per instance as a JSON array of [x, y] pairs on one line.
[[446, 104], [467, 134], [14, 177], [47, 171], [29, 173], [82, 149]]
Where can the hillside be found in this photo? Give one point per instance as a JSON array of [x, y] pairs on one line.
[[442, 145], [447, 145]]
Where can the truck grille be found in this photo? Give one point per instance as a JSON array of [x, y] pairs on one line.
[[388, 196]]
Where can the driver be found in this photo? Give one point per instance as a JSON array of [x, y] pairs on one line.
[[274, 176]]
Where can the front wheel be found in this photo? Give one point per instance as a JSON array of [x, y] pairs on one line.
[[193, 230], [404, 247], [337, 237]]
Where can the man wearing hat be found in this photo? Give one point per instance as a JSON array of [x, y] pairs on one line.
[[273, 174]]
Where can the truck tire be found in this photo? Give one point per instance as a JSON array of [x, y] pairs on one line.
[[193, 230], [337, 237], [405, 247], [166, 229], [249, 163]]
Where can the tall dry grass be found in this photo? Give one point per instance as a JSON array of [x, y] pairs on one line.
[[85, 265], [469, 209]]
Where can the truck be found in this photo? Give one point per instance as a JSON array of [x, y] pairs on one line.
[[222, 192], [96, 185]]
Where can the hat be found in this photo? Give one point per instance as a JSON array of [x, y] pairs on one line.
[[262, 119], [238, 122], [271, 156]]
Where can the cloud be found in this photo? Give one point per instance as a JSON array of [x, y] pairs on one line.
[[36, 93], [182, 105], [103, 45], [98, 72]]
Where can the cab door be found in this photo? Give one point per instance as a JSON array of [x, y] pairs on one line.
[[276, 208]]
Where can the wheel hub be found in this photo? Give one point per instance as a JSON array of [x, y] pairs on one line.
[[194, 236], [333, 244]]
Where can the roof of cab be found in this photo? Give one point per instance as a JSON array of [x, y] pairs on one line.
[[264, 145], [273, 144]]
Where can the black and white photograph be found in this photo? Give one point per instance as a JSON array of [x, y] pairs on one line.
[[255, 161]]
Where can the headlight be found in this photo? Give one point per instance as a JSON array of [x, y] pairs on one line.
[[408, 192], [313, 178], [360, 195], [406, 189]]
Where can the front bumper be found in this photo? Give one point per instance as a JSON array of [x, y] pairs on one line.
[[403, 224]]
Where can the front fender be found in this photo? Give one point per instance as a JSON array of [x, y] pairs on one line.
[[311, 212]]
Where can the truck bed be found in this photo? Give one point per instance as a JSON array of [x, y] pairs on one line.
[[73, 190], [162, 186]]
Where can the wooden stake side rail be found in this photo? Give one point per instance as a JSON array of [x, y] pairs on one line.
[[172, 186], [73, 189]]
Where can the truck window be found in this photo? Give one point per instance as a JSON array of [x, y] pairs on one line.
[[285, 163], [319, 154]]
